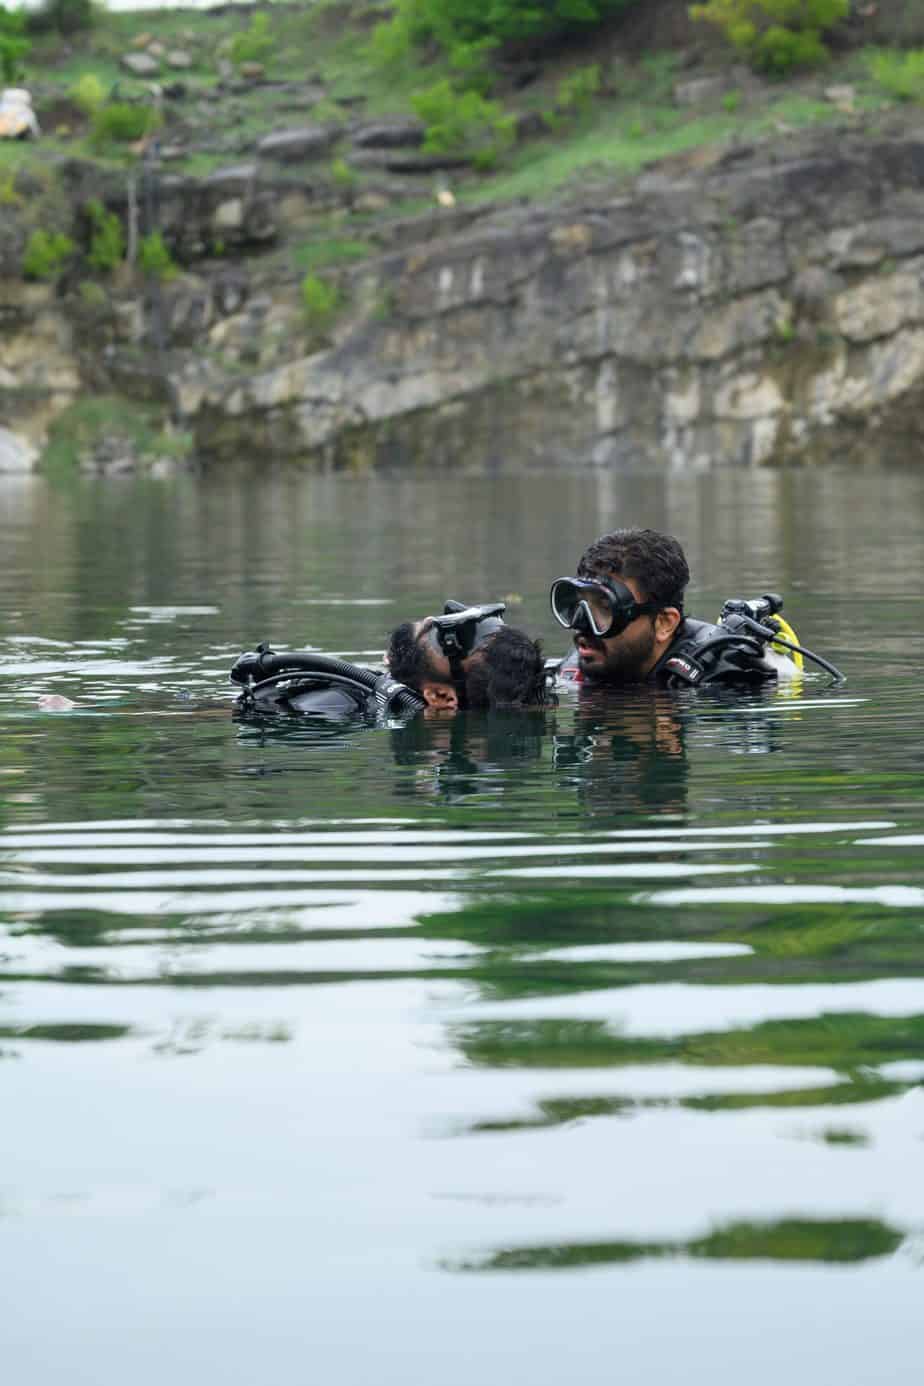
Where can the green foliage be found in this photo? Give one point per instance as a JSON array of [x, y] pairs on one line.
[[575, 93], [62, 17], [12, 52], [779, 50], [320, 302], [107, 243], [731, 101], [255, 44], [900, 74], [449, 23], [92, 419], [88, 94], [45, 254], [154, 257], [14, 46], [777, 36], [92, 295], [463, 123], [471, 63], [122, 122], [9, 197], [342, 174]]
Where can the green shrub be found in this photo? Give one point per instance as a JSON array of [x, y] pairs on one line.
[[107, 243], [901, 75], [451, 22], [154, 257], [471, 62], [93, 295], [94, 419], [463, 123], [255, 44], [12, 52], [320, 302], [574, 94], [123, 122], [775, 35], [14, 46], [342, 174], [88, 94], [62, 17], [45, 254]]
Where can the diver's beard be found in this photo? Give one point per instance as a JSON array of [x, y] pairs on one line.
[[627, 663]]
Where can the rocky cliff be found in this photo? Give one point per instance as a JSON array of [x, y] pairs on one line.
[[746, 306]]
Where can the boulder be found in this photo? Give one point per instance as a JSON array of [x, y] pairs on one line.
[[390, 134], [179, 60], [140, 64], [299, 145]]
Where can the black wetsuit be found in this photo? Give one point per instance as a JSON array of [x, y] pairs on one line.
[[699, 654]]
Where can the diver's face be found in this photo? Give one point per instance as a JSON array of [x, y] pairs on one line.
[[623, 658]]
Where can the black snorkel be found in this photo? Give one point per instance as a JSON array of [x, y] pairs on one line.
[[459, 632]]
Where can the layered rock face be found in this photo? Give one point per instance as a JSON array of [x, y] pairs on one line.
[[746, 313], [765, 306]]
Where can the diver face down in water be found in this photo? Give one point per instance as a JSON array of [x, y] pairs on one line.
[[504, 669]]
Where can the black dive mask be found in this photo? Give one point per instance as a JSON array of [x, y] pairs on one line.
[[460, 631], [597, 606]]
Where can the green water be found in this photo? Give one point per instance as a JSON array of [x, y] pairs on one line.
[[568, 1047]]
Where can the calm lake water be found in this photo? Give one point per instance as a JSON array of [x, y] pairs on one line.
[[570, 1047]]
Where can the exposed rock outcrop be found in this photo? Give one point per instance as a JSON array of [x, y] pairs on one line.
[[746, 307], [755, 311]]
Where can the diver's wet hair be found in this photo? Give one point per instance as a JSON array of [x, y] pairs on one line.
[[510, 672], [407, 658], [655, 561]]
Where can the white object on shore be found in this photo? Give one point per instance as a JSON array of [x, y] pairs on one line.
[[16, 453], [17, 118]]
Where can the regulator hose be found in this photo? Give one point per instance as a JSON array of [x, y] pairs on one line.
[[777, 639], [259, 666]]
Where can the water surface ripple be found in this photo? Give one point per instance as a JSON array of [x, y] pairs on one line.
[[597, 1034]]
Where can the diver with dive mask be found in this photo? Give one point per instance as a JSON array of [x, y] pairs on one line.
[[625, 607], [466, 657]]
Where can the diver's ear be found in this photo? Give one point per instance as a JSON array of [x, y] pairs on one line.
[[666, 623], [440, 695]]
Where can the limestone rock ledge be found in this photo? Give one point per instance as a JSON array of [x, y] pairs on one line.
[[756, 311], [766, 305]]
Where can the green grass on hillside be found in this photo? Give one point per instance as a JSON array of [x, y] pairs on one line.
[[631, 122]]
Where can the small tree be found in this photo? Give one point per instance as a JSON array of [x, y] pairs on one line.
[[255, 44], [154, 257], [45, 254], [107, 243], [13, 43], [775, 35], [463, 123]]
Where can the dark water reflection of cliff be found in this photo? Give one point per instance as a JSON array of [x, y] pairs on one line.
[[538, 1047]]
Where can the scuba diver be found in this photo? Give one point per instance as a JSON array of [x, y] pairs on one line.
[[465, 658], [625, 607]]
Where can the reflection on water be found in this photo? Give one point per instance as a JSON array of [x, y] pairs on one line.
[[304, 1015]]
